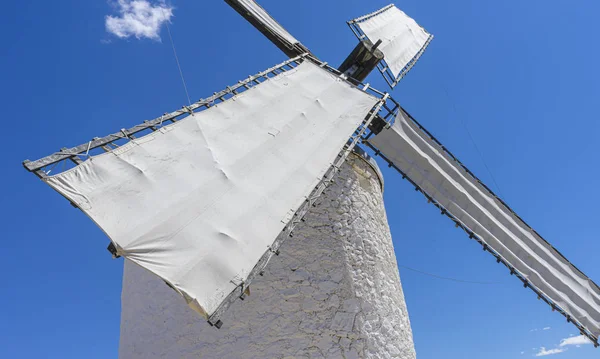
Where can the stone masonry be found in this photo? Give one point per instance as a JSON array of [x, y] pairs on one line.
[[333, 292]]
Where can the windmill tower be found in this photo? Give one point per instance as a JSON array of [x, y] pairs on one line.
[[332, 292], [207, 197]]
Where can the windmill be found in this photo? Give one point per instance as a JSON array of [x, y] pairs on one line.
[[145, 189]]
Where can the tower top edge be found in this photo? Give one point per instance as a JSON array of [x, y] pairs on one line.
[[362, 154]]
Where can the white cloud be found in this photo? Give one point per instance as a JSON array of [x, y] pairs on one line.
[[138, 18], [547, 328], [580, 340], [544, 352]]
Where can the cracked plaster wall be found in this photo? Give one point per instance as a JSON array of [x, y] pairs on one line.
[[333, 292]]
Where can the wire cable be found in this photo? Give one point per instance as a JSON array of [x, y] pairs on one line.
[[446, 278], [178, 64], [473, 142]]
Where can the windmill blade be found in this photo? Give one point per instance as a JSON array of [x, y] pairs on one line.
[[403, 41], [268, 26], [203, 203], [428, 165]]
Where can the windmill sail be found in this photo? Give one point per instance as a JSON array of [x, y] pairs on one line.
[[403, 41], [458, 193], [200, 202], [267, 25]]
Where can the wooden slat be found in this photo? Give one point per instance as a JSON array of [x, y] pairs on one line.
[[64, 154]]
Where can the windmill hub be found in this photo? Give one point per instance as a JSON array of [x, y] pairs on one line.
[[362, 60]]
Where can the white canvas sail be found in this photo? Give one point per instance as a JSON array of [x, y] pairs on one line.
[[403, 40], [442, 178], [200, 201]]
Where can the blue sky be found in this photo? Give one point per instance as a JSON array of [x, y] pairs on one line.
[[522, 75]]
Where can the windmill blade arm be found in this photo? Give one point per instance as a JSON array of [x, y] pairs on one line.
[[451, 187], [268, 26], [149, 182]]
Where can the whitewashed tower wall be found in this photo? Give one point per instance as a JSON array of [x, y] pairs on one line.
[[333, 292]]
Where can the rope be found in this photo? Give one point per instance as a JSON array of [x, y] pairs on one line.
[[446, 278], [87, 153], [52, 168], [178, 64]]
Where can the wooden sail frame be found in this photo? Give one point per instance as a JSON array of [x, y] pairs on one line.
[[43, 166], [499, 259]]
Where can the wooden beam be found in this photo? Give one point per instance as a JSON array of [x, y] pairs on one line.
[[291, 50], [65, 153]]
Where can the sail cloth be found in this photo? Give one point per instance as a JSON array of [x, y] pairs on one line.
[[254, 9], [403, 40], [442, 178], [199, 202]]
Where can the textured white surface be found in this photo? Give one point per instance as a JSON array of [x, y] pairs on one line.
[[334, 292], [402, 39], [199, 202], [440, 176], [255, 9]]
